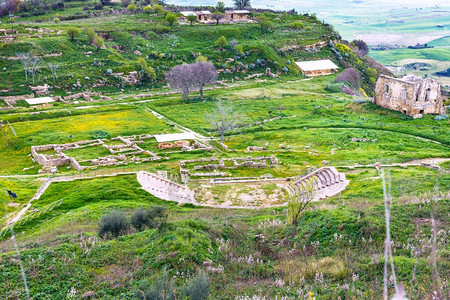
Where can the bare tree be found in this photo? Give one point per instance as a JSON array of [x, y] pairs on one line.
[[25, 58], [180, 77], [224, 117], [54, 69], [35, 64], [299, 196], [203, 73]]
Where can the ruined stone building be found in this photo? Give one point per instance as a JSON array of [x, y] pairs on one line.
[[410, 95]]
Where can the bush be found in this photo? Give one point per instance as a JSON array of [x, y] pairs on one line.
[[296, 25], [197, 288], [162, 289], [114, 224], [335, 87], [170, 18], [150, 217], [158, 9], [132, 7], [221, 42], [56, 20], [91, 35], [100, 134], [148, 9]]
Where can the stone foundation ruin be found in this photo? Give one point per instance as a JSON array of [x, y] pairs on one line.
[[410, 95], [122, 153], [215, 164]]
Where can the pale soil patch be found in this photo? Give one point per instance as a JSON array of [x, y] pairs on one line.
[[258, 194]]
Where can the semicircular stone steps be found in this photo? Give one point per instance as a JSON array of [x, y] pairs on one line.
[[326, 182]]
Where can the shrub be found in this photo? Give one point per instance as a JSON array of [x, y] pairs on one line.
[[158, 9], [114, 224], [91, 35], [73, 32], [221, 42], [162, 289], [197, 288], [150, 217], [265, 24], [335, 87], [132, 7], [297, 25], [98, 43], [148, 9], [56, 20], [170, 18], [100, 134], [239, 49]]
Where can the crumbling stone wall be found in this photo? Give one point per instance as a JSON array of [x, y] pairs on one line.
[[410, 95]]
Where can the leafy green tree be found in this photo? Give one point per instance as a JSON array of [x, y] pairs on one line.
[[158, 9], [98, 43], [241, 4], [73, 32], [220, 6], [192, 18], [91, 35], [147, 71], [221, 42], [217, 15], [171, 18]]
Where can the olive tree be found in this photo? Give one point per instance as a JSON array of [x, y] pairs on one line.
[[73, 32], [192, 18], [224, 117], [171, 18], [98, 42], [217, 15]]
